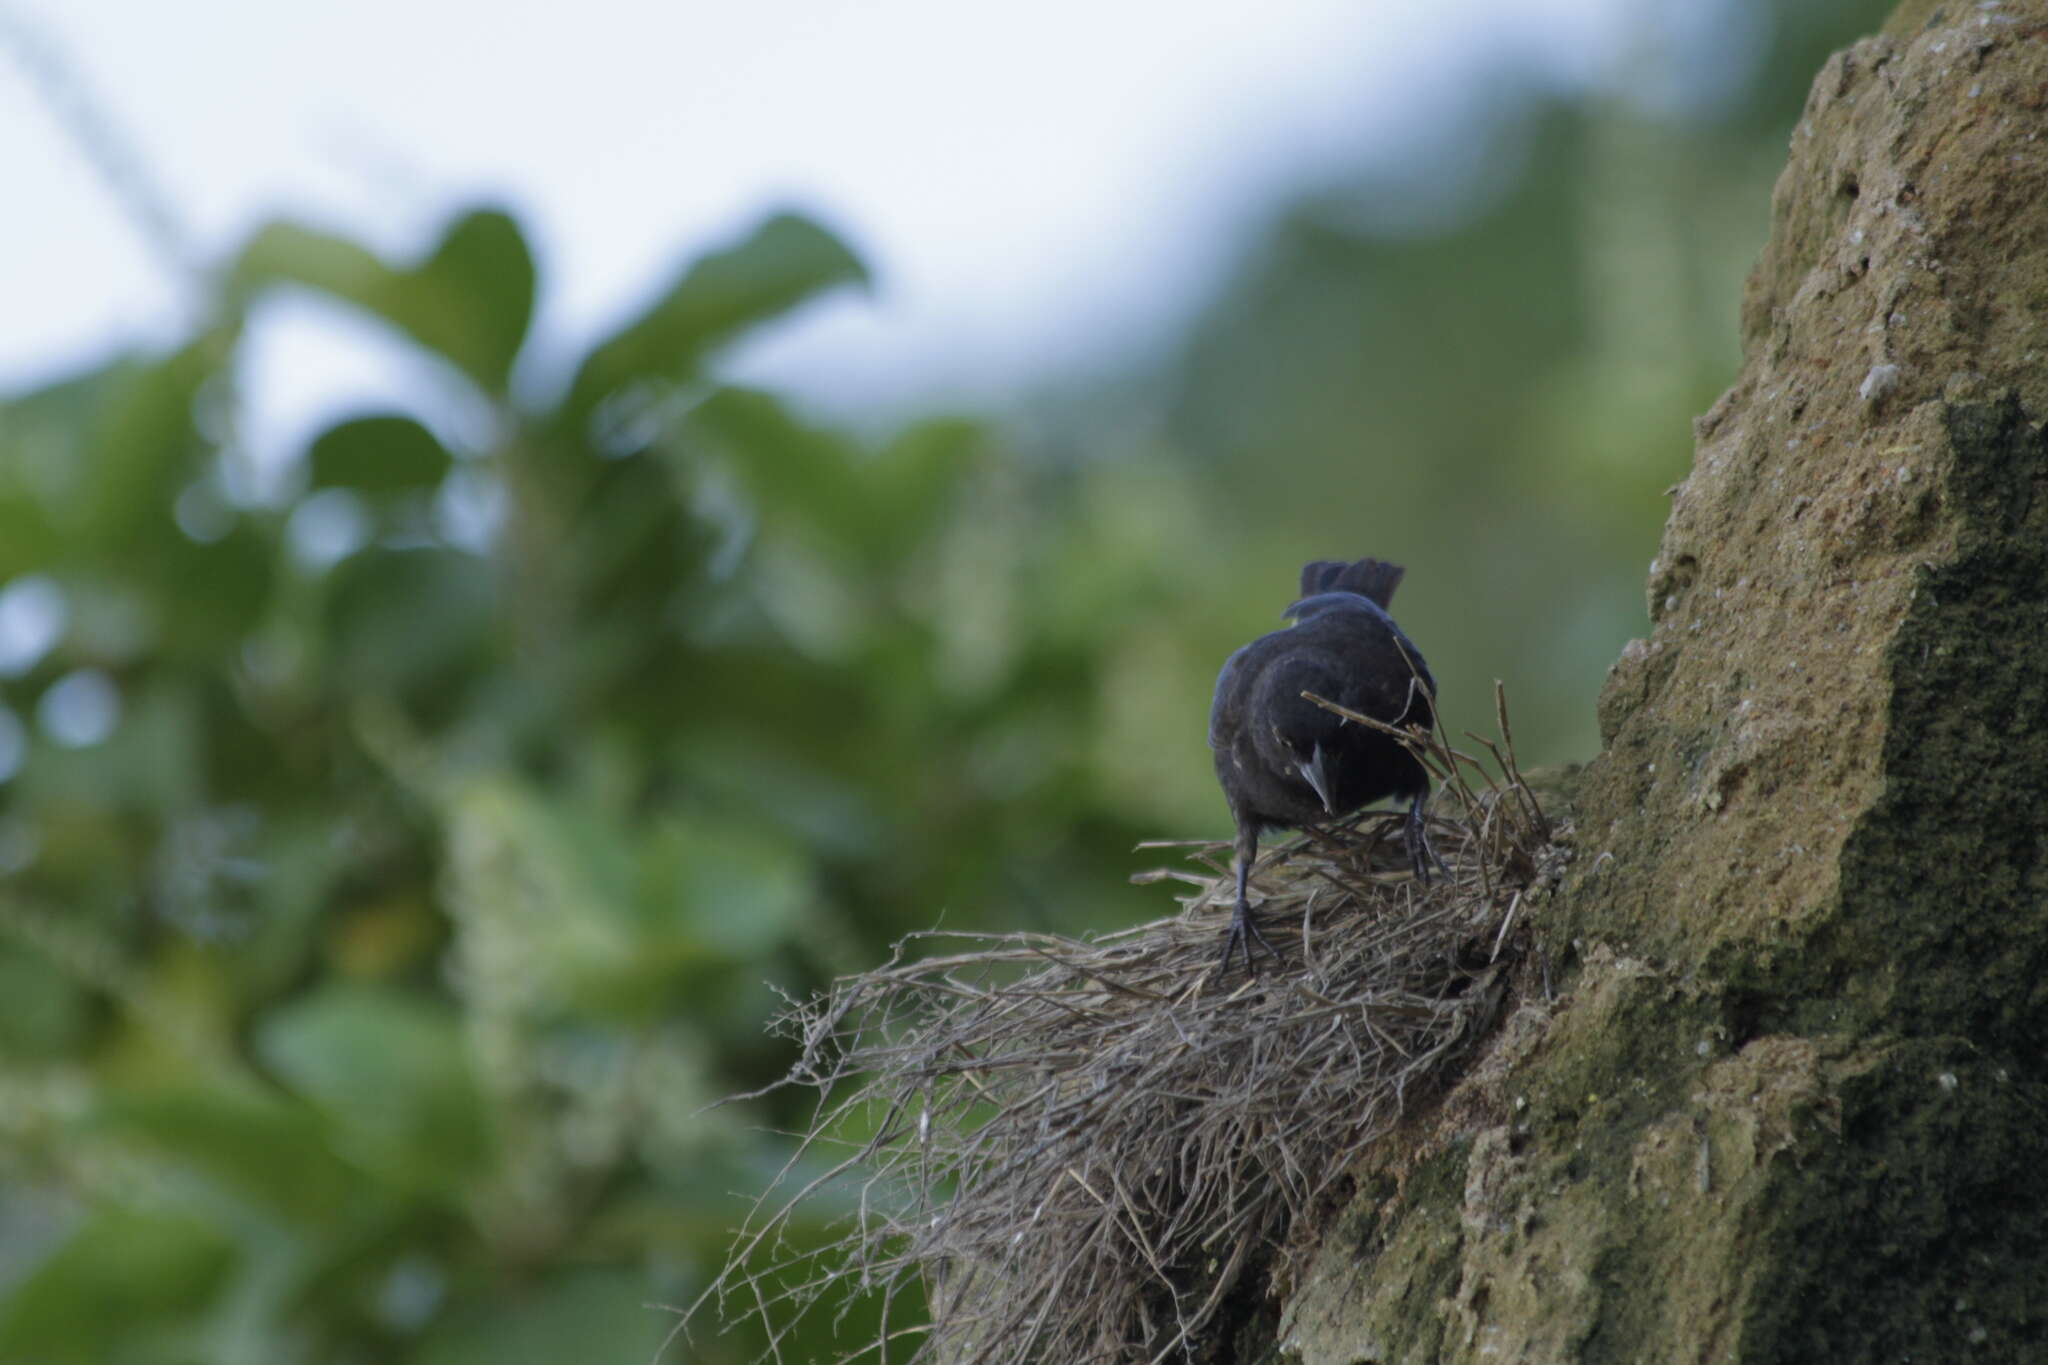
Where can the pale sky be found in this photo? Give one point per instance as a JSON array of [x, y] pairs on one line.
[[1032, 185]]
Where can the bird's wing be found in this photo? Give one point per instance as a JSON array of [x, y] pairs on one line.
[[1422, 674], [1220, 719], [1383, 670]]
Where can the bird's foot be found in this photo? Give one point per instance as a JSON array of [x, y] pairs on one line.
[[1245, 930], [1420, 853]]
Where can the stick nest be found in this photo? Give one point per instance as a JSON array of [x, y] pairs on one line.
[[1084, 1151]]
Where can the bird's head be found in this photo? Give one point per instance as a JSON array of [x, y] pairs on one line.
[[1302, 740], [1309, 762], [1322, 603]]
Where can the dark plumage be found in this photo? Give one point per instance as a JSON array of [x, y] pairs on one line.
[[1284, 761]]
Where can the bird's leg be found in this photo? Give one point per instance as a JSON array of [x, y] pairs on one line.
[[1420, 854], [1243, 928]]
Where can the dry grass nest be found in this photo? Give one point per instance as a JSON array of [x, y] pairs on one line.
[[1087, 1150]]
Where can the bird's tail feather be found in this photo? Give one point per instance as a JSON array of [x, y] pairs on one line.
[[1373, 578]]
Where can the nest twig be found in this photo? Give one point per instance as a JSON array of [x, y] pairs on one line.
[[1078, 1150]]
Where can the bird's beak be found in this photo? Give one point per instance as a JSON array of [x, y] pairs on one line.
[[1312, 773]]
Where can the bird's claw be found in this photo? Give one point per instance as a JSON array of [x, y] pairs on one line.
[[1245, 930], [1420, 853]]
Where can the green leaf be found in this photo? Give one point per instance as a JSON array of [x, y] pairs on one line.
[[588, 1315], [919, 472], [876, 508], [131, 449], [485, 262], [738, 888], [272, 1150], [28, 541], [47, 1012], [90, 469], [287, 253], [146, 446], [469, 302], [380, 455], [411, 622], [123, 1276], [389, 1068], [792, 473], [205, 598], [45, 453], [785, 262], [607, 916]]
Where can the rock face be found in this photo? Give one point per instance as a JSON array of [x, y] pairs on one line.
[[1790, 1101]]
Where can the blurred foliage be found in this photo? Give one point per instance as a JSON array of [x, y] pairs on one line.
[[398, 858], [463, 802]]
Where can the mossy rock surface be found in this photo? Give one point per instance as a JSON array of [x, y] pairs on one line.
[[1777, 1092]]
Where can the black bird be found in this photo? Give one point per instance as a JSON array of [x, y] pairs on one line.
[[1284, 761]]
